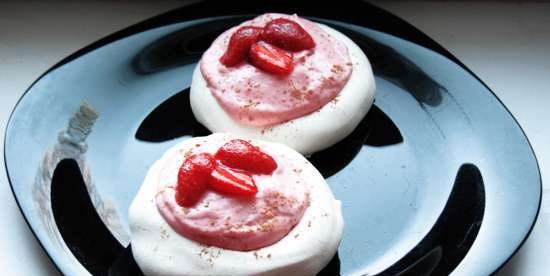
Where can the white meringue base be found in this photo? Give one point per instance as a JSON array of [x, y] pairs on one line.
[[308, 134], [306, 250]]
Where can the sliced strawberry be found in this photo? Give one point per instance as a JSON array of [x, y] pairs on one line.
[[227, 181], [239, 45], [193, 178], [288, 35], [240, 154], [270, 58]]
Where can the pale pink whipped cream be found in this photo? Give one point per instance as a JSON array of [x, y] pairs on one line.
[[257, 98], [237, 223]]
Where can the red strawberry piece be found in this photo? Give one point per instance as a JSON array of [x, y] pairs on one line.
[[240, 154], [271, 58], [227, 181], [193, 178], [288, 35], [239, 45]]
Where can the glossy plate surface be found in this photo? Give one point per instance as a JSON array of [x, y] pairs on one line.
[[438, 178]]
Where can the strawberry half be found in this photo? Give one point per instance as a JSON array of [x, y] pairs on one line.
[[270, 58], [288, 35], [193, 178], [240, 154], [230, 182], [239, 45]]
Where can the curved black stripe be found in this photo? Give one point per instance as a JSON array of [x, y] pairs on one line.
[[171, 119], [376, 129], [84, 233], [440, 252], [125, 265]]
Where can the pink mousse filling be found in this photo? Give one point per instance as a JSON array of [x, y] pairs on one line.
[[240, 223], [257, 98]]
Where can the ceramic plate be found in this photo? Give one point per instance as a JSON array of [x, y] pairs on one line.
[[437, 179]]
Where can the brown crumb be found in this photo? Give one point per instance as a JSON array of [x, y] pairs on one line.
[[163, 234], [250, 104], [296, 94], [297, 170], [336, 69]]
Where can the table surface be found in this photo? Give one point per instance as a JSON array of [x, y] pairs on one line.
[[504, 43]]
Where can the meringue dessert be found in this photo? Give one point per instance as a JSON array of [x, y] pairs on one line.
[[285, 79], [220, 205]]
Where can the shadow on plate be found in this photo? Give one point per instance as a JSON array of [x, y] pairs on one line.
[[174, 118]]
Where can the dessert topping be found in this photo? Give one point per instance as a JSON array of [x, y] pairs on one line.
[[242, 155], [239, 45], [193, 178], [228, 172], [271, 58], [288, 35], [270, 55], [230, 182], [253, 94]]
